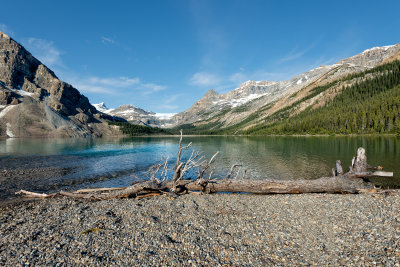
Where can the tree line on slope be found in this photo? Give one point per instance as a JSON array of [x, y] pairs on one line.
[[371, 106]]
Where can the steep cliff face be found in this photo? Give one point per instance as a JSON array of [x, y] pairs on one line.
[[34, 102]]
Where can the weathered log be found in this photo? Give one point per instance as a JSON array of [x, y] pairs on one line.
[[339, 183]]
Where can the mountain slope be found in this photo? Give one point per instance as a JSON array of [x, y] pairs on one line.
[[34, 102], [259, 103], [370, 105]]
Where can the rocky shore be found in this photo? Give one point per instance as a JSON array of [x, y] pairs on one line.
[[212, 230]]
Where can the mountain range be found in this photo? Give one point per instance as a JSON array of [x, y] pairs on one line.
[[34, 102], [254, 102], [138, 116]]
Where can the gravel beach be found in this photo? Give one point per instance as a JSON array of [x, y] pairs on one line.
[[198, 230]]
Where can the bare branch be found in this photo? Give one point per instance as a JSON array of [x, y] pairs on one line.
[[187, 146], [33, 194], [213, 158], [178, 158], [164, 171], [177, 173], [238, 172], [206, 166], [244, 174], [231, 171]]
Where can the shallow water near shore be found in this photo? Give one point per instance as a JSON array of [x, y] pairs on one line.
[[117, 161]]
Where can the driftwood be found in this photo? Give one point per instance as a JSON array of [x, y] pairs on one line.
[[33, 194], [354, 181]]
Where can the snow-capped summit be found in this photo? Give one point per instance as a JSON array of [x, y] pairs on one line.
[[102, 108]]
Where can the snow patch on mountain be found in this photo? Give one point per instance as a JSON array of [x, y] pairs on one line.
[[22, 92], [8, 131], [6, 110], [378, 48], [164, 116], [238, 101]]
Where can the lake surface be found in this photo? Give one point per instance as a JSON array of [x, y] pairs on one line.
[[116, 162]]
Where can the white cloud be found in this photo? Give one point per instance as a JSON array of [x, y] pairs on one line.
[[45, 51], [106, 40], [205, 79]]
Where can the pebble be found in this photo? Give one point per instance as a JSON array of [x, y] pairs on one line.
[[216, 230]]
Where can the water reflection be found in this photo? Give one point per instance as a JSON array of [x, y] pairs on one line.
[[263, 157]]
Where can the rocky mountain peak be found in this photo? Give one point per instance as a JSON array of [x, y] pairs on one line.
[[42, 104], [20, 70], [371, 57], [211, 94], [3, 35]]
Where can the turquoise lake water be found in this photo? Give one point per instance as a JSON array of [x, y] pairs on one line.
[[116, 162]]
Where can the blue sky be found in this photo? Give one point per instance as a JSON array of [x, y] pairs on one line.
[[164, 55]]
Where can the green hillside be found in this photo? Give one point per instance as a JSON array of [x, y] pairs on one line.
[[371, 106]]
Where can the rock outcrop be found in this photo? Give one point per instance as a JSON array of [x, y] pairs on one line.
[[34, 102]]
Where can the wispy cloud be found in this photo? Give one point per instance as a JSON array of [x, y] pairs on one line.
[[120, 82], [86, 87], [292, 55], [168, 107], [238, 77], [106, 40], [99, 85], [225, 83], [113, 85], [45, 51], [4, 28], [205, 79], [297, 52], [150, 88]]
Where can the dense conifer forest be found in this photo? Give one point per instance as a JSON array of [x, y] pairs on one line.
[[138, 130]]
